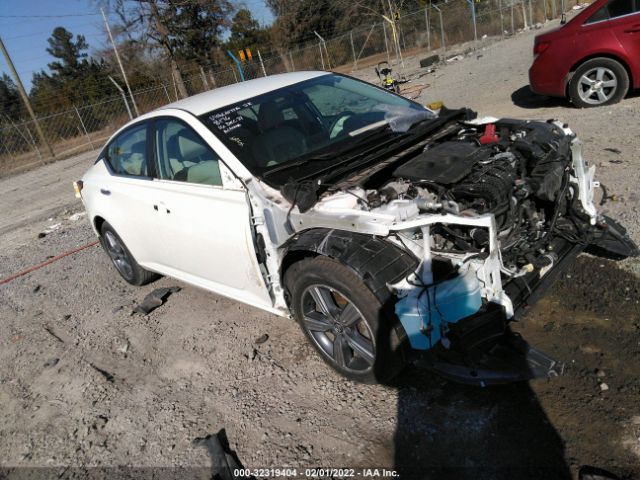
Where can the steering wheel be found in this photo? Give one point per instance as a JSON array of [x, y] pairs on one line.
[[338, 124]]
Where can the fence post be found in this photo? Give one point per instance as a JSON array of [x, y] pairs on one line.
[[531, 22], [353, 51], [205, 83], [321, 54], [166, 92], [524, 14], [293, 65], [33, 141], [513, 27], [386, 42], [544, 5], [472, 4], [426, 21], [84, 128], [444, 47], [124, 97], [264, 71], [501, 19]]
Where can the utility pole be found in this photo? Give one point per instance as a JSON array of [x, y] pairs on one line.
[[164, 40], [25, 98], [115, 50]]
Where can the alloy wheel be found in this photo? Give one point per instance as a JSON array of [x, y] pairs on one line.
[[597, 85], [338, 328], [118, 255]]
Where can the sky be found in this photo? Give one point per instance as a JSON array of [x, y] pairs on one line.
[[25, 26]]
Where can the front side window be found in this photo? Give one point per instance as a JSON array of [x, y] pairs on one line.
[[182, 155], [127, 153], [321, 117]]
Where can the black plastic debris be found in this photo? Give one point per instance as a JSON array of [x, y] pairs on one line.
[[154, 299], [261, 339], [587, 472], [613, 150], [430, 60], [225, 463], [108, 376], [52, 362]]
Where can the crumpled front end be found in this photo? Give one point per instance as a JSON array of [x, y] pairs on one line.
[[492, 214]]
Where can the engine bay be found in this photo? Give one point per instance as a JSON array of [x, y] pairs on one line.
[[521, 172]]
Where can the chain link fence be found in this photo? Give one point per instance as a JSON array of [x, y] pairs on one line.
[[437, 28]]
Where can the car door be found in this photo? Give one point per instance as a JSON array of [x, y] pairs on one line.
[[205, 226], [625, 22], [126, 195]]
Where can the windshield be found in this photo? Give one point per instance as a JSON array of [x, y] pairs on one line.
[[296, 130]]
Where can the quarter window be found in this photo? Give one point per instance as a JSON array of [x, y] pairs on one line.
[[127, 153], [183, 156], [601, 14]]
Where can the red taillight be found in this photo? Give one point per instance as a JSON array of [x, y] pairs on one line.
[[540, 47]]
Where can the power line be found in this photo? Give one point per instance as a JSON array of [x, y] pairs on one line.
[[51, 16]]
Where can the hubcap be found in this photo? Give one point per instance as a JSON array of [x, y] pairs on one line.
[[597, 85], [338, 328], [118, 255]]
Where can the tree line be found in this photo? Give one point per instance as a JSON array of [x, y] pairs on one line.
[[164, 40]]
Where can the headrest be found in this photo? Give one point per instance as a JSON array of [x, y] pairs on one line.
[[269, 116]]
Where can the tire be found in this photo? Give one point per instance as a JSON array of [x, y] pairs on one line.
[[122, 259], [352, 317], [598, 82]]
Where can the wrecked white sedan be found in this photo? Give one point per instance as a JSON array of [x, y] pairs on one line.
[[390, 232]]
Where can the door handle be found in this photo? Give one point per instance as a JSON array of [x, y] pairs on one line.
[[161, 204], [104, 191], [634, 28]]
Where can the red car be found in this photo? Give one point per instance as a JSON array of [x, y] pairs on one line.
[[594, 58]]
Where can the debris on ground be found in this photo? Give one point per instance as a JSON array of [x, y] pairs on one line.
[[613, 150], [154, 299], [430, 60], [592, 473], [52, 362], [109, 377], [455, 58], [261, 339], [604, 387], [77, 216], [49, 229], [224, 461], [50, 331]]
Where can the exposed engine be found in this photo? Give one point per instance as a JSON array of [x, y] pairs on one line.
[[519, 171]]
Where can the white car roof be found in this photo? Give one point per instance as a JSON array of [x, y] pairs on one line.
[[223, 96]]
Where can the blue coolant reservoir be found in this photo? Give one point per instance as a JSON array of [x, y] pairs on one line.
[[424, 312]]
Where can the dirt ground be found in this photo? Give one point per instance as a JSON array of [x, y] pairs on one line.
[[86, 383]]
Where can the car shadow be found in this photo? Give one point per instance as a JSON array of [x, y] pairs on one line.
[[525, 98], [450, 431]]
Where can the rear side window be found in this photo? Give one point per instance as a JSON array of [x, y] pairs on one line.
[[127, 153], [614, 9], [618, 8]]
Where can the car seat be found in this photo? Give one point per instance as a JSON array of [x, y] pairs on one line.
[[278, 142]]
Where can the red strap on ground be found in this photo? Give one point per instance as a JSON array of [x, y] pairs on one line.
[[44, 264]]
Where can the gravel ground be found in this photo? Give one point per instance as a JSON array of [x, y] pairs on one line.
[[84, 382]]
